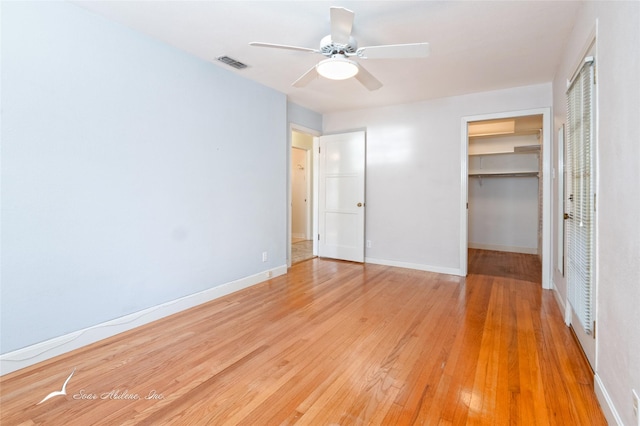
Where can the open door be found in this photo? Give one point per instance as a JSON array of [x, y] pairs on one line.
[[341, 203]]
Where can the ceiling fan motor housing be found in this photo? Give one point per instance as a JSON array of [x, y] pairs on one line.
[[329, 48], [340, 46]]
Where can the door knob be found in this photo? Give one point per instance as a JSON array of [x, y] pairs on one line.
[[359, 204]]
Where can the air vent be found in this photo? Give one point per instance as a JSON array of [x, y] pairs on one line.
[[232, 62]]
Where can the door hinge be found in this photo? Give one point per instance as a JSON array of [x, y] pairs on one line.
[[319, 150], [318, 237]]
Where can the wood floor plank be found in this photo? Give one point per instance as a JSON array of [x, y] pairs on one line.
[[333, 343], [422, 388]]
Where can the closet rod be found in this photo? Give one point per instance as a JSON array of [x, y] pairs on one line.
[[485, 175]]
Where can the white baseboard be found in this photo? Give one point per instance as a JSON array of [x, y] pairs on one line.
[[418, 266], [510, 249], [565, 308], [42, 351], [608, 409], [299, 235], [568, 313]]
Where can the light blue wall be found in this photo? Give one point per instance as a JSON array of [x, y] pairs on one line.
[[132, 173], [305, 117]]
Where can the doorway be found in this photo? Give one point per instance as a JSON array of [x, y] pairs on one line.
[[301, 211], [497, 164], [504, 191]]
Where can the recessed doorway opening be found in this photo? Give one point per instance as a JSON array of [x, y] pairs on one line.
[[506, 190], [301, 197]]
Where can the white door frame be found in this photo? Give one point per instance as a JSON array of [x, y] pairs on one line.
[[315, 134], [546, 186]]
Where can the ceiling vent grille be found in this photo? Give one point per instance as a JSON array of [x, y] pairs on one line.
[[232, 62]]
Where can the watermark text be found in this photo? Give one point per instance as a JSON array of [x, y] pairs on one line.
[[117, 395]]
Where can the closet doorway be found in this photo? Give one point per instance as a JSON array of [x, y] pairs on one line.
[[504, 186]]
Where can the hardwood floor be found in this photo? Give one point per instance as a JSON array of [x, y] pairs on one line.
[[301, 251], [332, 343]]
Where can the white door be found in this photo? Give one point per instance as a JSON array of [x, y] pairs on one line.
[[580, 208], [341, 204]]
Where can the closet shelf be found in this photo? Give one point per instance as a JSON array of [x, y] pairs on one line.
[[529, 151]]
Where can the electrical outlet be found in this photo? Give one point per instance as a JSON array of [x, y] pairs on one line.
[[635, 406], [369, 244], [264, 256]]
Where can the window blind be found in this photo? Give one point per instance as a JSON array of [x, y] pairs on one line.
[[579, 195]]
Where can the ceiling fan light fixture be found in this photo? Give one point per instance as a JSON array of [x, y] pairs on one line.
[[337, 68]]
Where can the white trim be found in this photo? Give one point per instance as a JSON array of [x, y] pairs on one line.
[[546, 185], [464, 195], [547, 194], [568, 314], [417, 266], [302, 129], [591, 41], [559, 182], [510, 249], [606, 403], [561, 304], [315, 194], [42, 351], [596, 189]]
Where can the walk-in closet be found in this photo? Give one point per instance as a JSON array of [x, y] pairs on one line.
[[505, 197]]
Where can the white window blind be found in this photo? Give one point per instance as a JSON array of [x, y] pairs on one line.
[[579, 195]]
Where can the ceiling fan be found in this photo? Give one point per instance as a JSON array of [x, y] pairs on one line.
[[340, 46]]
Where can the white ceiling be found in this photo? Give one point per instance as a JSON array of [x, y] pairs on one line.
[[475, 45]]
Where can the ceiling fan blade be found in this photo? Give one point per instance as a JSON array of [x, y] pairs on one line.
[[394, 51], [341, 24], [283, 46], [367, 79], [306, 78]]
